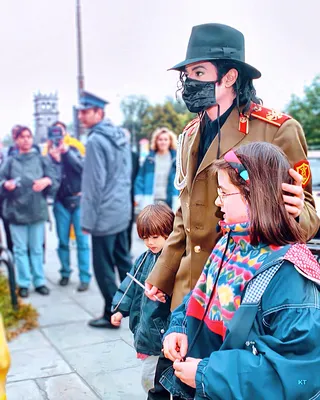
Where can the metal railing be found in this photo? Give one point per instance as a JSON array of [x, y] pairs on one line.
[[7, 259]]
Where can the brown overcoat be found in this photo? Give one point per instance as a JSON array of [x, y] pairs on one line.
[[194, 236]]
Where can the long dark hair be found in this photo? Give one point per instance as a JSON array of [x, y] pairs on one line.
[[268, 168], [243, 87]]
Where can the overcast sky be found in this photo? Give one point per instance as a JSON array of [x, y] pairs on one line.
[[128, 45]]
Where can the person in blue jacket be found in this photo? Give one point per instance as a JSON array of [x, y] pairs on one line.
[[148, 319], [251, 326], [155, 179]]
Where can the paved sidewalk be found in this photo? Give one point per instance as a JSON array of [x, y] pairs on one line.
[[64, 358]]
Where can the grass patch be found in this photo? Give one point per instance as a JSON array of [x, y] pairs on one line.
[[15, 322]]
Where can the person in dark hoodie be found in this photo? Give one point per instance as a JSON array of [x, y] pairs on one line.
[[106, 199], [26, 179]]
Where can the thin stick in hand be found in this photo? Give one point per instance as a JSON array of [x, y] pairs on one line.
[[140, 284]]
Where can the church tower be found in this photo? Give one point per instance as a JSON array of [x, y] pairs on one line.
[[46, 113]]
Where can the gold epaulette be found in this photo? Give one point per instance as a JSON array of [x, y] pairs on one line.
[[190, 125], [268, 115]]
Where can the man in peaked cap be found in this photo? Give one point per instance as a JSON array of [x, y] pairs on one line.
[[217, 84], [106, 201], [90, 101]]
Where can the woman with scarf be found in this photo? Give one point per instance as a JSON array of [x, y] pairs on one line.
[[251, 326]]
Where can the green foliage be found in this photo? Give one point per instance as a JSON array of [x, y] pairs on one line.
[[15, 322], [161, 116], [307, 111], [142, 118], [134, 108]]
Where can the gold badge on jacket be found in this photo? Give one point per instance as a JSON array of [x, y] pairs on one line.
[[303, 168]]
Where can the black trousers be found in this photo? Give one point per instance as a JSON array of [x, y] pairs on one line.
[[108, 252], [159, 392]]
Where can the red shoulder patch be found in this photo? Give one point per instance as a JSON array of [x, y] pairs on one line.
[[190, 125], [268, 115], [303, 168], [304, 262]]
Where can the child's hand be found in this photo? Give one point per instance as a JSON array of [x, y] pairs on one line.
[[116, 319], [153, 293]]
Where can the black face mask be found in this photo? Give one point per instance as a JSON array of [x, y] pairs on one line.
[[199, 95]]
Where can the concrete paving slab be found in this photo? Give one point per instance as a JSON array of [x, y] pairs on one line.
[[41, 301], [26, 390], [100, 359], [32, 340], [78, 334], [119, 385], [71, 289], [31, 364], [92, 302], [66, 387], [61, 313], [126, 335]]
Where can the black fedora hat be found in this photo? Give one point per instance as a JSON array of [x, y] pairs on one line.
[[217, 42]]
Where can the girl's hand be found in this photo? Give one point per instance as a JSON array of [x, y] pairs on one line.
[[116, 319], [175, 346], [10, 185], [294, 204], [186, 370], [40, 184]]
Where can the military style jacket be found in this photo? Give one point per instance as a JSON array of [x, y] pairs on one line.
[[195, 234]]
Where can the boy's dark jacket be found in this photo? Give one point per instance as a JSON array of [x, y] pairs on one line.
[[148, 319], [24, 206]]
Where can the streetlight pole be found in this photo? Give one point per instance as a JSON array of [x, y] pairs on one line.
[[80, 77], [79, 47]]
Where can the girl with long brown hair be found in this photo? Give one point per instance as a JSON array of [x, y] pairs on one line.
[[251, 326]]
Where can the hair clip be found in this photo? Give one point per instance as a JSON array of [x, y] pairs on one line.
[[234, 162]]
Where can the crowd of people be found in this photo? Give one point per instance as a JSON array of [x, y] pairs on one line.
[[224, 303]]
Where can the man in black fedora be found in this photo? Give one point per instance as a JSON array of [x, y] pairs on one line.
[[217, 84]]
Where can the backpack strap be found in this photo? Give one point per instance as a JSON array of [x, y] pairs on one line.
[[258, 285]]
